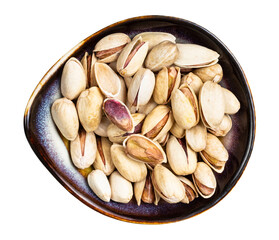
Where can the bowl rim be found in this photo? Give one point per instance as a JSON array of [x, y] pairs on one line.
[[83, 199]]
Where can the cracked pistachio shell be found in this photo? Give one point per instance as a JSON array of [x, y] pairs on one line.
[[103, 126], [162, 55], [232, 105], [224, 127], [167, 185], [204, 180], [88, 62], [185, 107], [158, 122], [177, 131], [167, 80], [109, 47], [83, 149], [141, 88], [193, 81], [212, 104], [64, 115], [212, 73], [196, 137], [181, 158], [99, 184], [190, 190], [89, 107], [103, 159], [215, 154], [195, 56], [73, 79], [132, 57], [107, 80], [116, 135], [121, 188], [130, 169]]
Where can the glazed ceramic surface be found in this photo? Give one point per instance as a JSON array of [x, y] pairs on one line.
[[50, 149]]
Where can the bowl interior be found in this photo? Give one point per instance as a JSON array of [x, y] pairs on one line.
[[50, 149]]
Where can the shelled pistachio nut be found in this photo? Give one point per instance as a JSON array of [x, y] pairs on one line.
[[167, 80], [132, 57], [103, 126], [185, 107], [224, 127], [215, 154], [181, 158], [64, 115], [118, 113], [158, 122], [99, 184], [141, 88], [130, 169], [167, 185], [204, 180], [190, 190], [212, 73], [121, 188], [89, 107], [73, 79], [109, 47], [193, 81], [177, 131], [144, 149], [88, 62], [83, 149], [162, 55], [232, 105], [103, 159], [196, 137]]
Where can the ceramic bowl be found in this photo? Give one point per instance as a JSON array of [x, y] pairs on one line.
[[44, 139]]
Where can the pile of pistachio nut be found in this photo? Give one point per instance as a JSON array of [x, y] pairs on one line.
[[139, 112]]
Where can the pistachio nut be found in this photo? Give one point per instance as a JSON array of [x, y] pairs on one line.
[[167, 185], [103, 126], [109, 47], [212, 105], [103, 159], [107, 80], [177, 131], [162, 55], [141, 87], [204, 180], [64, 115], [215, 154], [195, 56], [147, 108], [128, 81], [164, 139], [158, 122], [167, 80], [88, 62], [99, 184], [130, 169], [122, 92], [89, 107], [154, 38], [132, 57], [83, 149], [196, 137], [116, 135], [232, 105], [185, 107], [190, 190], [121, 188], [212, 73], [193, 81], [224, 127], [181, 158], [144, 149], [73, 79], [118, 113]]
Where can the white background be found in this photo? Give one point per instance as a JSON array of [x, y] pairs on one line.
[[35, 34]]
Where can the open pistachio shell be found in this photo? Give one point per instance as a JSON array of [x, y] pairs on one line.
[[109, 47], [195, 56], [215, 154], [212, 73], [103, 126], [232, 105], [204, 180], [132, 57], [224, 127], [196, 137], [130, 169], [73, 79], [88, 62], [190, 190], [164, 139], [147, 108], [193, 81], [177, 131], [181, 158]]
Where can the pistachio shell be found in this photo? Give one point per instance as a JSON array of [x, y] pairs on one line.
[[130, 169], [232, 105], [103, 126], [164, 139], [88, 62], [64, 115], [121, 188], [73, 79], [224, 127], [162, 55], [83, 149], [89, 107], [122, 93], [190, 190], [177, 131], [147, 108], [212, 73], [99, 184], [193, 81], [128, 81], [138, 190], [196, 137]]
